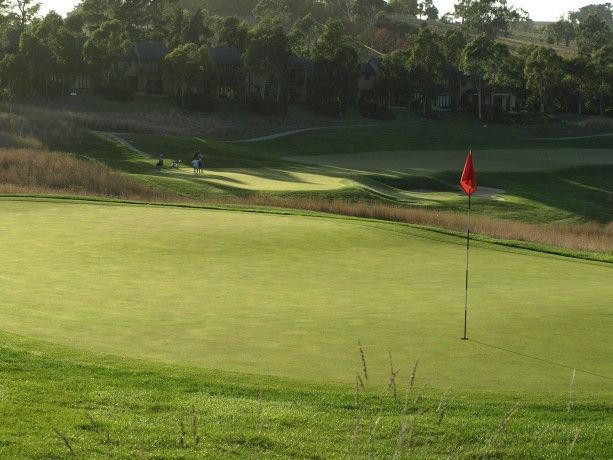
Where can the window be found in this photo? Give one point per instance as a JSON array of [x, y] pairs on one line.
[[443, 102], [83, 82]]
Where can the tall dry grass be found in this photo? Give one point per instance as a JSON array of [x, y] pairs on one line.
[[589, 237], [31, 171]]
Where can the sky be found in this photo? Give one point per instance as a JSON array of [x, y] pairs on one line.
[[539, 10]]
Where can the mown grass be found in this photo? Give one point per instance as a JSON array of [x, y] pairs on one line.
[[55, 400], [257, 292]]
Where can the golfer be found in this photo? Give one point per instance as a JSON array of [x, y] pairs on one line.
[[196, 164]]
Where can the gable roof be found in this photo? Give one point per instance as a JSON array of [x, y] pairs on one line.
[[150, 51], [226, 56]]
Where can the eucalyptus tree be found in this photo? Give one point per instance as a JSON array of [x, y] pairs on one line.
[[13, 76], [183, 68], [106, 47], [52, 53], [410, 7], [159, 13], [593, 33], [96, 12], [335, 69], [303, 35], [25, 12], [426, 63], [603, 63], [272, 10], [579, 80], [393, 80], [491, 17], [234, 33], [453, 42], [481, 59], [561, 31], [267, 53], [543, 72]]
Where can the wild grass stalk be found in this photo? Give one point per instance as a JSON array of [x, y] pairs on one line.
[[363, 357], [66, 441], [503, 425], [195, 434], [182, 434], [260, 411], [93, 422], [572, 444]]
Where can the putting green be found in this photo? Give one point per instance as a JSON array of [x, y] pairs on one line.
[[271, 179], [291, 295]]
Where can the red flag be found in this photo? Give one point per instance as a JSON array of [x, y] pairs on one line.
[[469, 179]]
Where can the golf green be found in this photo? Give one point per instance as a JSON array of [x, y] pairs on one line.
[[291, 295]]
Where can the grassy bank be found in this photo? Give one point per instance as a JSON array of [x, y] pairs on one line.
[[56, 401]]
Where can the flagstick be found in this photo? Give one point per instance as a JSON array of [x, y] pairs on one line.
[[467, 250]]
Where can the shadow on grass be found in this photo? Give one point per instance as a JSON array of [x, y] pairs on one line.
[[536, 358]]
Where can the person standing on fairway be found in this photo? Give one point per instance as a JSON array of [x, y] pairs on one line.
[[195, 163]]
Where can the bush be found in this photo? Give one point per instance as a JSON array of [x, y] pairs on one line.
[[262, 106], [199, 102], [118, 91]]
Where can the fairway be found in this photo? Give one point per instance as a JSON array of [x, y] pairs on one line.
[[290, 296], [508, 160]]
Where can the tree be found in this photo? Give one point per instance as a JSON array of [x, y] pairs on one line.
[[268, 53], [303, 35], [335, 65], [27, 10], [592, 34], [579, 77], [428, 10], [182, 67], [561, 31], [271, 10], [410, 7], [426, 62], [106, 47], [131, 14], [453, 42], [393, 79], [480, 59], [603, 63], [13, 76], [234, 34], [490, 17], [51, 51], [543, 72]]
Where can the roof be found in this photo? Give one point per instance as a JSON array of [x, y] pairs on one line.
[[367, 69], [296, 61], [226, 56], [150, 51]]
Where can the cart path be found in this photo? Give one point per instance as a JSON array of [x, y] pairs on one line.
[[121, 140]]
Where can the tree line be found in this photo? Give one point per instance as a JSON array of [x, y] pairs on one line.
[[333, 34]]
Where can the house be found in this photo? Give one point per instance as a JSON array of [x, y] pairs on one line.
[[231, 76], [367, 80], [295, 86], [143, 67]]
